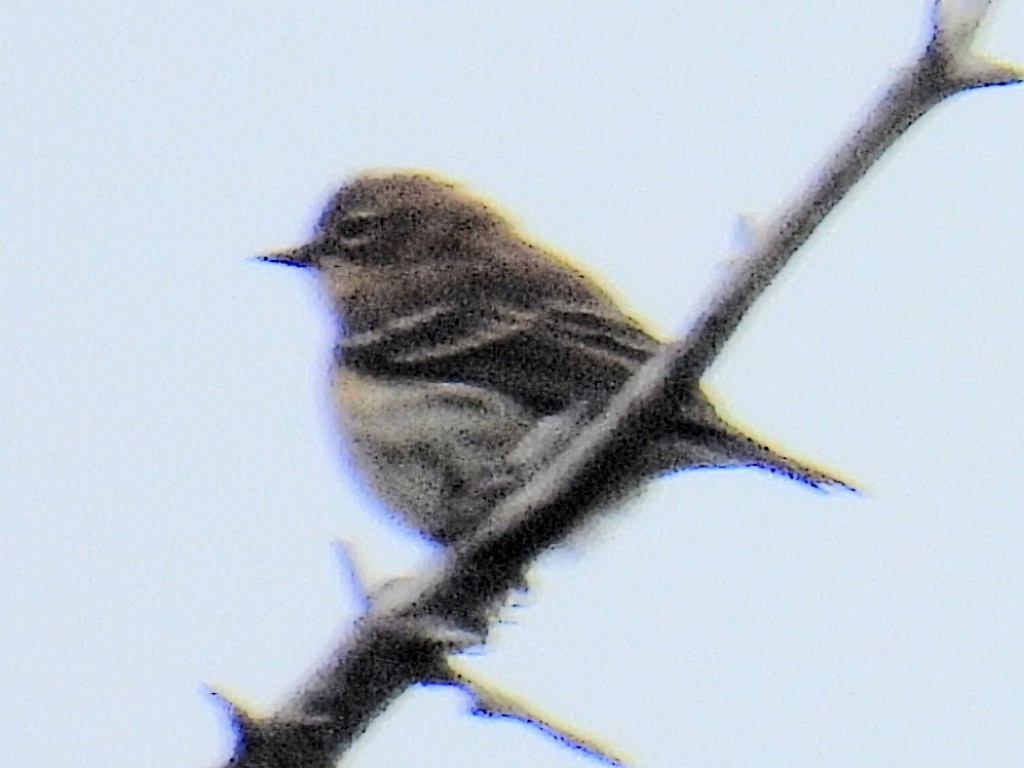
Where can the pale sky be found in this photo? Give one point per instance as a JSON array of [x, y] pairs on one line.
[[171, 489]]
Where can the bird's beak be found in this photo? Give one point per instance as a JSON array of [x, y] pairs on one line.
[[303, 256]]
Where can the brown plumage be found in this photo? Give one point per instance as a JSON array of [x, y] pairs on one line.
[[463, 349]]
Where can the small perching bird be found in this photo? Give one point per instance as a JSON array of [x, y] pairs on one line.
[[465, 352]]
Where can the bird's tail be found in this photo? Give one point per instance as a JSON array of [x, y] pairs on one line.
[[702, 438]]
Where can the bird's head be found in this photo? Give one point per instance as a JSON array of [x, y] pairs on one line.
[[393, 245], [399, 219]]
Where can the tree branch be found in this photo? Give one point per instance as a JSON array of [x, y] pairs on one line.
[[411, 627]]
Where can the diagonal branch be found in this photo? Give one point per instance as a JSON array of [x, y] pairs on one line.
[[407, 633]]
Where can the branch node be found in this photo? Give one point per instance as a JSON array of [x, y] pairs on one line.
[[347, 558]]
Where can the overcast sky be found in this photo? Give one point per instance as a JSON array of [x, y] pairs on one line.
[[171, 489]]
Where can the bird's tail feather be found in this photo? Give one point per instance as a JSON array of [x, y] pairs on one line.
[[705, 439], [701, 438], [734, 449]]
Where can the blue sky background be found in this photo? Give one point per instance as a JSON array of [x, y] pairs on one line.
[[170, 488]]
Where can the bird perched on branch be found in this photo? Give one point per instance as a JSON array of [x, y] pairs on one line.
[[464, 353]]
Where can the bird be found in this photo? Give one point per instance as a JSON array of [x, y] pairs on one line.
[[466, 352]]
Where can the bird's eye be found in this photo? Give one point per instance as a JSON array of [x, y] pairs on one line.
[[358, 228]]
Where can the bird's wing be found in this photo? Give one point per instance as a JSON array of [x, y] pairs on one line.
[[554, 357], [547, 357]]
